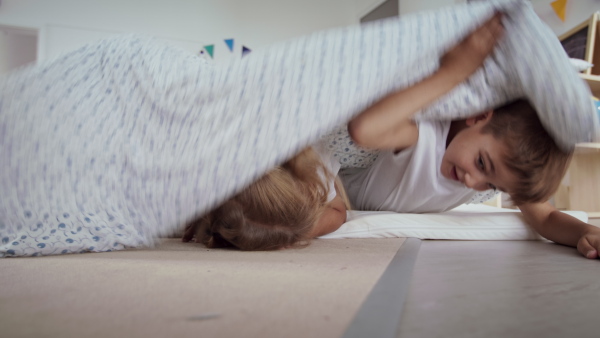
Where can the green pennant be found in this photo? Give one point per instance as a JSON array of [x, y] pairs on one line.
[[210, 50]]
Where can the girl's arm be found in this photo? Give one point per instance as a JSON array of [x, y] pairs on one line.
[[388, 123], [332, 218], [334, 214], [562, 228]]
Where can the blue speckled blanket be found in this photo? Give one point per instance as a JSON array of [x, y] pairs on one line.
[[124, 140]]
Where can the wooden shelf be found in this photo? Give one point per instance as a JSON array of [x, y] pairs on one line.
[[581, 186], [583, 191], [593, 82], [593, 214], [584, 148]]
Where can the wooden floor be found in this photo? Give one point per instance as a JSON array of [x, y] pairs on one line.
[[186, 290], [501, 289]]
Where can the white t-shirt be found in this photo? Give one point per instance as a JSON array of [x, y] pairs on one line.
[[410, 181]]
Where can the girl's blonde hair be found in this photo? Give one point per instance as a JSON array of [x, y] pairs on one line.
[[279, 210]]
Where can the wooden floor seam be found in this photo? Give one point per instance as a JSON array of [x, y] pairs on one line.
[[379, 315]]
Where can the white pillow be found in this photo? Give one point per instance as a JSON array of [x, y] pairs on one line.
[[466, 222]]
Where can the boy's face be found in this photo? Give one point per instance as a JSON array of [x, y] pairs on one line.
[[476, 159]]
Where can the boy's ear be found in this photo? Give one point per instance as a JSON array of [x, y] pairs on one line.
[[483, 117]]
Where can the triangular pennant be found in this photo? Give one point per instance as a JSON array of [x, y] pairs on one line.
[[245, 51], [229, 43], [560, 7], [210, 50]]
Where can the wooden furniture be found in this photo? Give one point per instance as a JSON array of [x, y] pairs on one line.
[[581, 185], [582, 41]]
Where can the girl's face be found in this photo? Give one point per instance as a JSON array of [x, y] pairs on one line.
[[476, 159]]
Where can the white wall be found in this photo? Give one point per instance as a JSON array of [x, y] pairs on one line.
[[254, 23], [410, 6], [577, 11]]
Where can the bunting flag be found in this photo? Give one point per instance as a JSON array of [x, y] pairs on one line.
[[210, 50], [245, 51], [229, 43], [560, 7]]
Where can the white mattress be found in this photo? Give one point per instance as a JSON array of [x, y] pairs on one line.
[[466, 222]]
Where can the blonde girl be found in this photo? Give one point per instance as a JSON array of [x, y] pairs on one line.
[[291, 204]]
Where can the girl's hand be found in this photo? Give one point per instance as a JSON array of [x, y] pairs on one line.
[[190, 231], [465, 58]]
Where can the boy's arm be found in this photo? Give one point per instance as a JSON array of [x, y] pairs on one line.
[[562, 228], [388, 123]]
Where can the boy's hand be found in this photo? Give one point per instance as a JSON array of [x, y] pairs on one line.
[[589, 244], [562, 228], [389, 124], [465, 58]]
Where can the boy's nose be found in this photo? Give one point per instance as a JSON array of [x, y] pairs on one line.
[[472, 181], [468, 181]]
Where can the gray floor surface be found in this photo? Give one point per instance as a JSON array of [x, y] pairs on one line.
[[501, 289]]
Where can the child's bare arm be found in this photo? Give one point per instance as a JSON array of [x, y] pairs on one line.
[[562, 228], [388, 123]]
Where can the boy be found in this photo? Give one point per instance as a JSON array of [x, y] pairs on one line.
[[506, 149]]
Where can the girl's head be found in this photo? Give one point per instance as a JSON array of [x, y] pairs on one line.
[[279, 210]]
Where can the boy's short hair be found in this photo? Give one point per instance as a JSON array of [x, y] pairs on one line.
[[531, 153]]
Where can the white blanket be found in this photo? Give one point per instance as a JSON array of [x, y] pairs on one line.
[[123, 140]]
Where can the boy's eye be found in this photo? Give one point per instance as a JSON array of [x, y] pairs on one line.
[[481, 163]]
